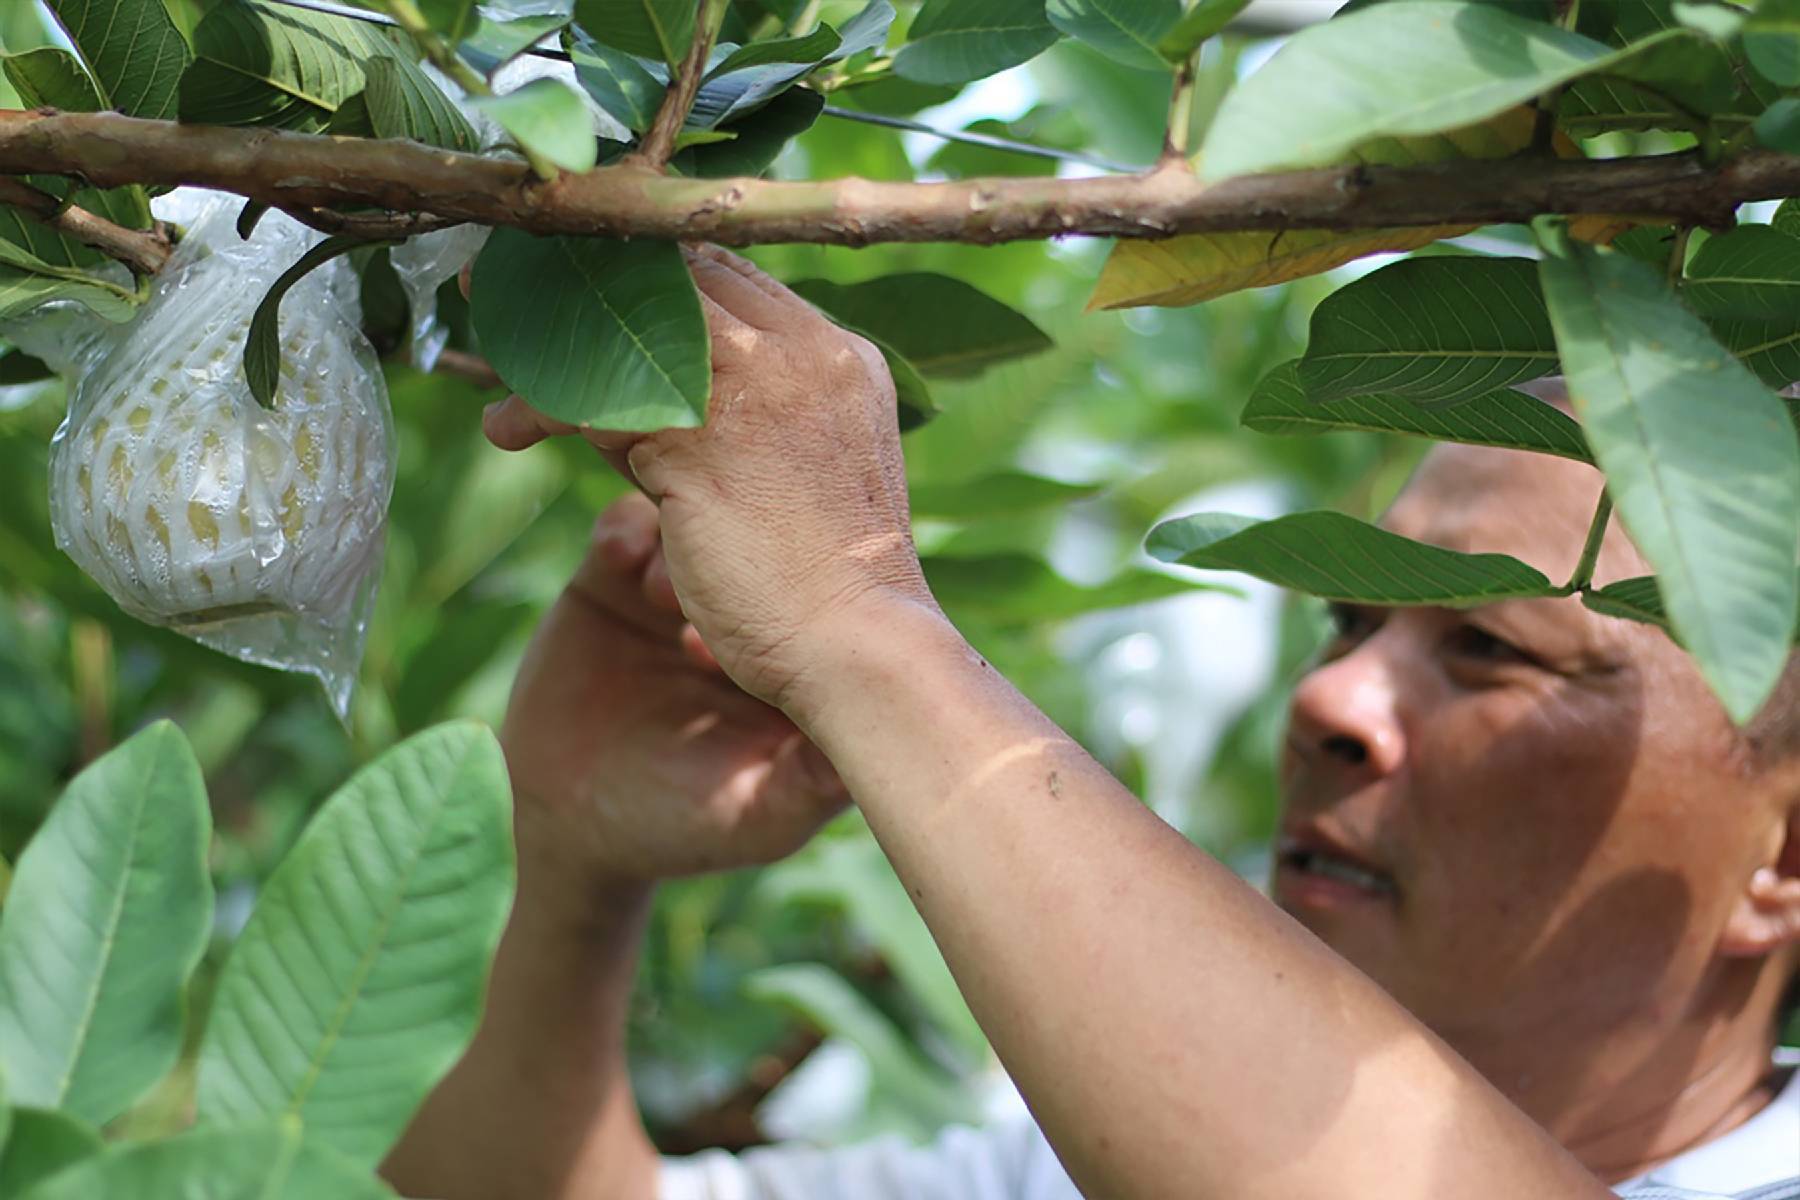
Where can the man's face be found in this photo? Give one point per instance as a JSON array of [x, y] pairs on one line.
[[1556, 813]]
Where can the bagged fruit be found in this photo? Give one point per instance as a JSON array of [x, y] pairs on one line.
[[255, 531]]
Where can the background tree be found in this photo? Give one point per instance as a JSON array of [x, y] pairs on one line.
[[1499, 144]]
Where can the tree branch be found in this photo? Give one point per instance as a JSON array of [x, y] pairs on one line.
[[144, 251], [658, 145], [292, 170]]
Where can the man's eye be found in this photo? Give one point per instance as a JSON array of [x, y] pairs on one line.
[[1473, 642]]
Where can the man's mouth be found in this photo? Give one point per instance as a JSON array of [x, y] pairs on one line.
[[1305, 862]]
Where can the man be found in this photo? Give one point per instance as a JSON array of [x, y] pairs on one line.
[[1576, 885]]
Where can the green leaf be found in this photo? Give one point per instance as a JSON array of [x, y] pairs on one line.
[[654, 29], [867, 30], [955, 41], [1006, 493], [1700, 458], [109, 911], [1200, 22], [451, 18], [51, 78], [255, 1163], [359, 979], [757, 139], [1751, 271], [1772, 41], [133, 49], [1405, 68], [614, 337], [259, 64], [402, 102], [1505, 418], [1019, 589], [494, 42], [619, 84], [942, 325], [913, 400], [1717, 22], [809, 49], [1431, 329], [22, 292], [1126, 31], [1770, 349], [262, 344], [42, 1143], [1787, 218], [1340, 558], [1779, 126], [1636, 599], [547, 118]]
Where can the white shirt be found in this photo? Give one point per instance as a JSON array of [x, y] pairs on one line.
[[1012, 1161]]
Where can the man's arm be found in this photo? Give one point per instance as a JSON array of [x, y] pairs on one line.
[[1176, 1035]]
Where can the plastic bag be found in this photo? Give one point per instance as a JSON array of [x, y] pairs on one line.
[[257, 532]]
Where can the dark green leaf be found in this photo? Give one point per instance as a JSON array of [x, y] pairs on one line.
[[262, 344], [247, 1163], [451, 18], [548, 119], [1779, 126], [654, 29], [1770, 349], [1431, 329], [107, 914], [1636, 599], [1126, 31], [18, 367], [1504, 418], [1751, 271], [133, 49], [619, 84], [912, 395], [1019, 589], [1700, 458], [248, 216], [358, 981], [943, 325], [1004, 494], [809, 49], [42, 1143], [1201, 21], [496, 42], [758, 137], [954, 41], [259, 64], [1399, 69], [1787, 218], [614, 337], [403, 102], [1772, 41], [1340, 558]]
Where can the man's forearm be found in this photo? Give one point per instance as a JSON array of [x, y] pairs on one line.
[[540, 1108], [1175, 1034]]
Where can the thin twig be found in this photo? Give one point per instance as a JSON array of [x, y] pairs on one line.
[[658, 145], [1181, 112], [372, 225], [1590, 549], [471, 367], [1678, 254], [144, 251]]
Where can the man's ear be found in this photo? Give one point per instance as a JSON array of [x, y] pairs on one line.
[[1766, 916]]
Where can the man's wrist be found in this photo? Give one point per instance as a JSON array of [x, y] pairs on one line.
[[557, 880], [862, 644]]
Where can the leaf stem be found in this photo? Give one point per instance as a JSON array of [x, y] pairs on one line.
[[1181, 113], [1678, 254], [658, 145], [444, 57], [1590, 549], [1543, 133]]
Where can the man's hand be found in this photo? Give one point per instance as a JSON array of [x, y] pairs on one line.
[[633, 756], [789, 506]]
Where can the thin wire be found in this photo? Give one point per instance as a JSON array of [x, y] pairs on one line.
[[831, 110]]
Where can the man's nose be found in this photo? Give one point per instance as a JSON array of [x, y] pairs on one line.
[[1346, 712]]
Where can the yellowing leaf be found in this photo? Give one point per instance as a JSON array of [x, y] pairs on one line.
[[1201, 266]]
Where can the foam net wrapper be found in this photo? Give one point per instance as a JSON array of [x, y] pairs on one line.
[[257, 532]]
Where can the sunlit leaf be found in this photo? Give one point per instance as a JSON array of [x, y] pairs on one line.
[[108, 913], [402, 102], [1337, 557], [1431, 329], [615, 337], [359, 978], [256, 64], [954, 41], [1505, 418], [1202, 20], [1700, 458], [1405, 68], [496, 41], [547, 118]]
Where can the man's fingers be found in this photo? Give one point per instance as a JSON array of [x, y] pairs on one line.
[[626, 534], [697, 651], [772, 288], [512, 424], [745, 301], [659, 589]]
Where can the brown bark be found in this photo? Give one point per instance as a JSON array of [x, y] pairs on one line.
[[144, 251], [290, 170]]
